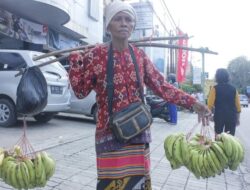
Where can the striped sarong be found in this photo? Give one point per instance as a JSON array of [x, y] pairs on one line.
[[124, 169]]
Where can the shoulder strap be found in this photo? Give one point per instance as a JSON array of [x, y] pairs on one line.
[[110, 76]]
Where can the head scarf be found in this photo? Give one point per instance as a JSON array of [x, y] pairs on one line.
[[118, 6]]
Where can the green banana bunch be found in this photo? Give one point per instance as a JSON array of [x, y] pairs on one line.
[[233, 147], [175, 147], [202, 156], [22, 172]]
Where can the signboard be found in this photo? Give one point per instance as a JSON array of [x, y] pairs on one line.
[[182, 61], [144, 15], [196, 75], [22, 29]]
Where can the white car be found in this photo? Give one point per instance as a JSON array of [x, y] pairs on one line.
[[55, 74], [243, 100]]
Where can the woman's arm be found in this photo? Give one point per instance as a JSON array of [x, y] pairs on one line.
[[156, 82]]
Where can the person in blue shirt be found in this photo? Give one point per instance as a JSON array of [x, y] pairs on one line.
[[172, 108]]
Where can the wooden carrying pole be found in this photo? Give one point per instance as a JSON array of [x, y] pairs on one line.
[[141, 44], [91, 46], [136, 43]]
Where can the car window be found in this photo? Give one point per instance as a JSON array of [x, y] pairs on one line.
[[11, 61], [243, 97]]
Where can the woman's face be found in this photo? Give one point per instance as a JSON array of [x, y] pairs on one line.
[[121, 26]]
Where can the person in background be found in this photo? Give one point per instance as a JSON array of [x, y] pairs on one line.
[[122, 166], [224, 99], [172, 108]]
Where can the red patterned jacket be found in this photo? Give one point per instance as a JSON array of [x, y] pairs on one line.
[[88, 72]]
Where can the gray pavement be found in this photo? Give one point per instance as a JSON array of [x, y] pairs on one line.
[[76, 164]]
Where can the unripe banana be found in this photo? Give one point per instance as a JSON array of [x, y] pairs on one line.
[[25, 174], [241, 150], [6, 164], [19, 177], [220, 154], [9, 170], [2, 155], [216, 162], [211, 162], [167, 153], [209, 171], [195, 163], [38, 165], [49, 164], [171, 142], [39, 171], [227, 144], [177, 150], [13, 177], [184, 151], [31, 169]]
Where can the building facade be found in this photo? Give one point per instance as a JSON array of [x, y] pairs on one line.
[[47, 25]]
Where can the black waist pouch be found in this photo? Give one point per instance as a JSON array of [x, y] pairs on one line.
[[130, 121]]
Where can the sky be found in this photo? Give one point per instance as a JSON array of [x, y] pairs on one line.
[[221, 25]]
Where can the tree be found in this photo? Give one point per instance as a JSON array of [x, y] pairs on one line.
[[239, 71]]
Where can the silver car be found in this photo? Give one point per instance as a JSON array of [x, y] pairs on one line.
[[243, 100], [55, 74], [86, 106]]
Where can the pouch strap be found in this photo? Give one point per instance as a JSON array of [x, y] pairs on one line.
[[110, 76]]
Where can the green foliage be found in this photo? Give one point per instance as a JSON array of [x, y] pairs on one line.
[[239, 71], [187, 88]]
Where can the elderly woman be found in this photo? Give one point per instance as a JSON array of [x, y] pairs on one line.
[[122, 165]]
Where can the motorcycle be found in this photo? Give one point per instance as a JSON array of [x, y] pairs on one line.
[[158, 107]]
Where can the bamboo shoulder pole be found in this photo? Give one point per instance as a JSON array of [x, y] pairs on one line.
[[160, 45], [58, 52]]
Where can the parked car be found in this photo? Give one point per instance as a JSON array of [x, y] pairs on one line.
[[11, 61], [86, 106], [243, 100]]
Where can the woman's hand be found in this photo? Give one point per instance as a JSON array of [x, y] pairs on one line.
[[203, 112]]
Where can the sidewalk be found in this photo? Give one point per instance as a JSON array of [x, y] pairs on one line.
[[76, 164]]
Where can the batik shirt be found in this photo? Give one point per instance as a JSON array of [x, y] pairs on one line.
[[88, 72]]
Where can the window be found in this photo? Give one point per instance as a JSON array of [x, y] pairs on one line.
[[94, 9], [11, 61]]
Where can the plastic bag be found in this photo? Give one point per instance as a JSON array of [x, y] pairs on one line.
[[32, 92]]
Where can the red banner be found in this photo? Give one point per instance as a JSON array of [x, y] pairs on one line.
[[182, 58]]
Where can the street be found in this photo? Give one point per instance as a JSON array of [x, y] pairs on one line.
[[70, 141]]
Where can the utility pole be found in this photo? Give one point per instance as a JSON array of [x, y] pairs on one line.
[[203, 75]]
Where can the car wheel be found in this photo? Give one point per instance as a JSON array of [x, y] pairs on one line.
[[44, 117], [7, 113], [95, 114]]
